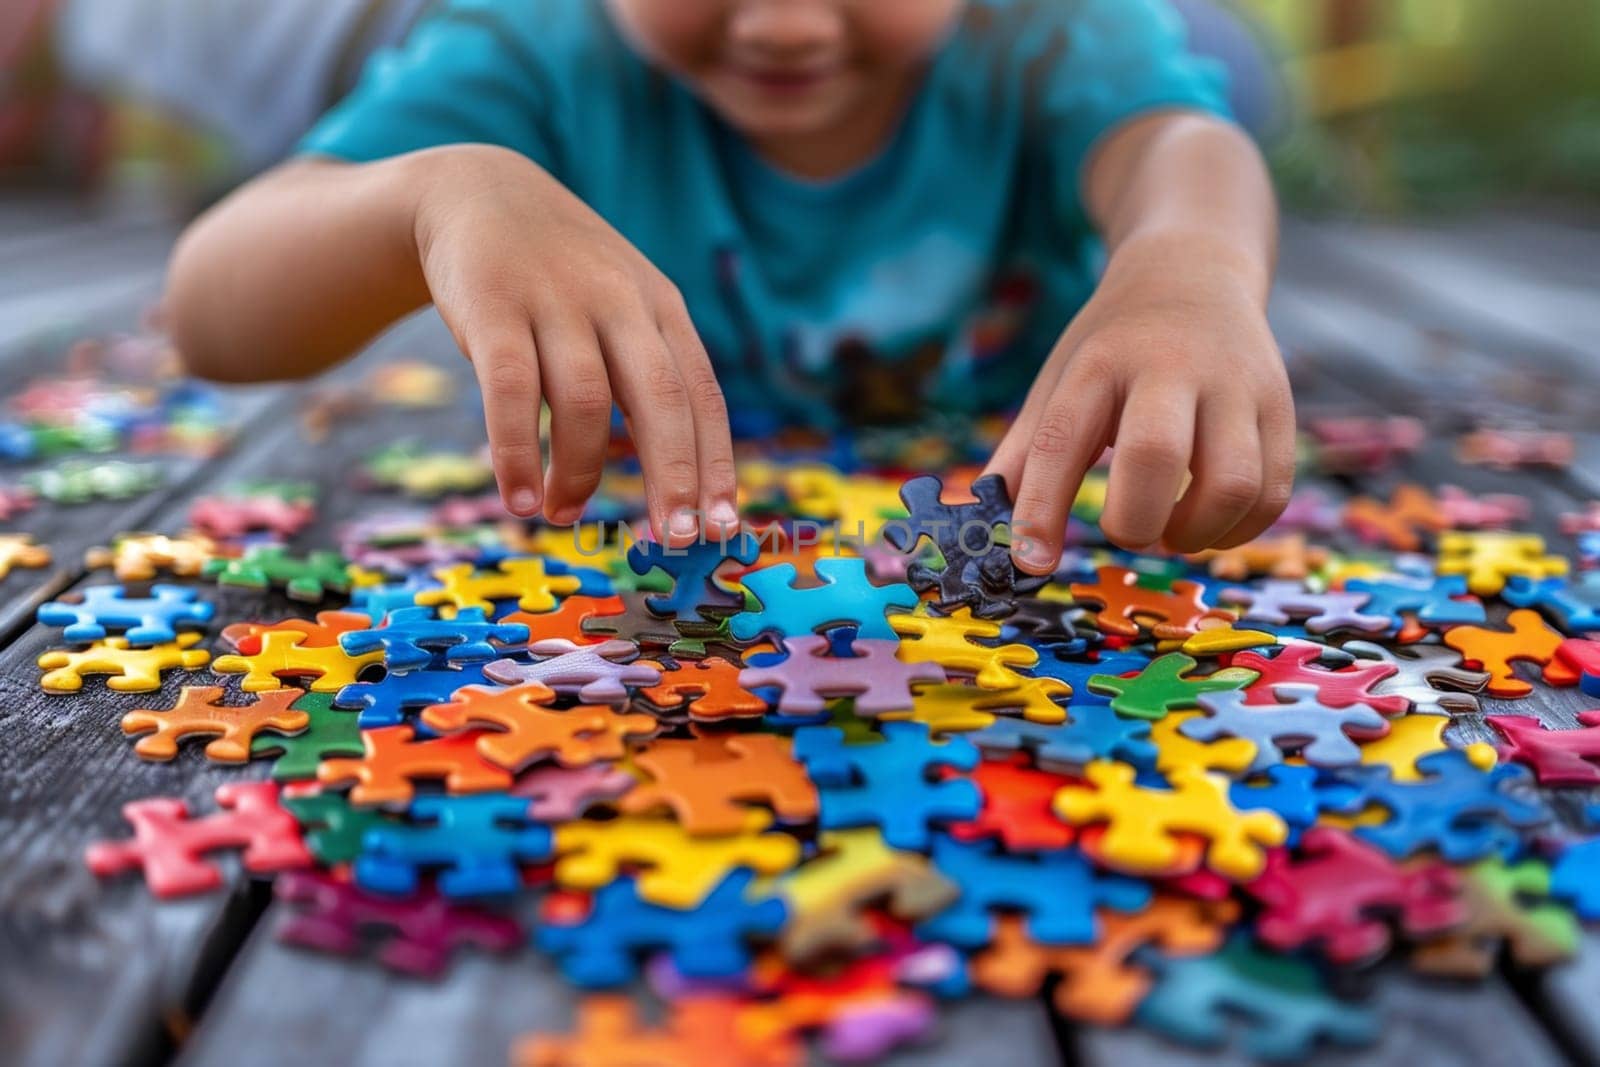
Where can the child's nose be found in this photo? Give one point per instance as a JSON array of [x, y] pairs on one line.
[[787, 26]]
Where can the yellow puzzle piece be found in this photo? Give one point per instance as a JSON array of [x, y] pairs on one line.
[[829, 895], [1489, 558], [139, 557], [522, 580], [132, 670], [1142, 825], [18, 550], [282, 656], [1175, 752], [946, 709], [680, 870], [948, 640]]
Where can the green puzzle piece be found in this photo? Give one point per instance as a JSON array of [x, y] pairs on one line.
[[1163, 686], [333, 732], [308, 578], [334, 829]]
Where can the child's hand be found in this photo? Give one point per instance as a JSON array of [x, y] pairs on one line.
[[1173, 363], [548, 300]]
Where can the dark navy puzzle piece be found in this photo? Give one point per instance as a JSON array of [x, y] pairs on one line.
[[696, 595], [974, 540]]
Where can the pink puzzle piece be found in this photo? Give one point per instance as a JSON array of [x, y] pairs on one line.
[[169, 845], [596, 674], [879, 682], [561, 794]]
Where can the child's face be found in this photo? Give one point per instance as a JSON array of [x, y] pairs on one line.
[[789, 68]]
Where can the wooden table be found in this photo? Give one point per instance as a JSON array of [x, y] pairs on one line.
[[1373, 319]]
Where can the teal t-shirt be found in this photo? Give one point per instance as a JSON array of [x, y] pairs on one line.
[[940, 273]]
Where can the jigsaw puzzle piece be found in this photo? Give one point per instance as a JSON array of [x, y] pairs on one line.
[[234, 729], [169, 844]]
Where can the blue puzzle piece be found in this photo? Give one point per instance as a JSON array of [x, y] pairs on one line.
[[1589, 547], [1057, 891], [1432, 602], [409, 637], [847, 596], [886, 784], [1091, 732], [1461, 812], [1297, 794], [709, 941], [385, 702], [377, 601], [1575, 878], [1574, 606], [144, 620], [477, 842], [1279, 1001], [693, 570], [1076, 673], [591, 580]]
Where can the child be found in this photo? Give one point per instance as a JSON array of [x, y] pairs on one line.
[[697, 206]]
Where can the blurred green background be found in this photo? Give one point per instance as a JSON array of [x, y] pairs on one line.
[[1413, 105], [1399, 107]]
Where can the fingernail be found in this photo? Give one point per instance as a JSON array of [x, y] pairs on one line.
[[724, 516], [566, 516], [524, 501], [681, 523], [1038, 557]]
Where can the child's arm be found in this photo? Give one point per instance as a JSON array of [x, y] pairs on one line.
[[301, 267], [1171, 360]]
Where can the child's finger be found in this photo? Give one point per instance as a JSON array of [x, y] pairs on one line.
[[506, 363], [1277, 457], [1227, 476], [719, 484], [579, 394], [652, 391], [1151, 456], [1058, 439]]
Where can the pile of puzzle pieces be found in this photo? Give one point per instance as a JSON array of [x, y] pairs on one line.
[[809, 787]]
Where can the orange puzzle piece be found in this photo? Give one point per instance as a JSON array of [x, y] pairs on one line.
[[384, 775], [1528, 641], [1099, 982], [525, 730], [1289, 556], [245, 637], [566, 621], [712, 686], [1127, 607], [199, 711], [702, 1030], [139, 557], [703, 779], [1399, 524], [18, 550]]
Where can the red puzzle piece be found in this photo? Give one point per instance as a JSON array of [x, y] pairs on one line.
[[1017, 807], [168, 844], [1336, 887], [1558, 757], [1296, 665]]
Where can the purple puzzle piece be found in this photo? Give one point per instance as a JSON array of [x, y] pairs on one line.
[[1277, 602], [867, 1032], [809, 678], [597, 674], [424, 928], [561, 794]]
